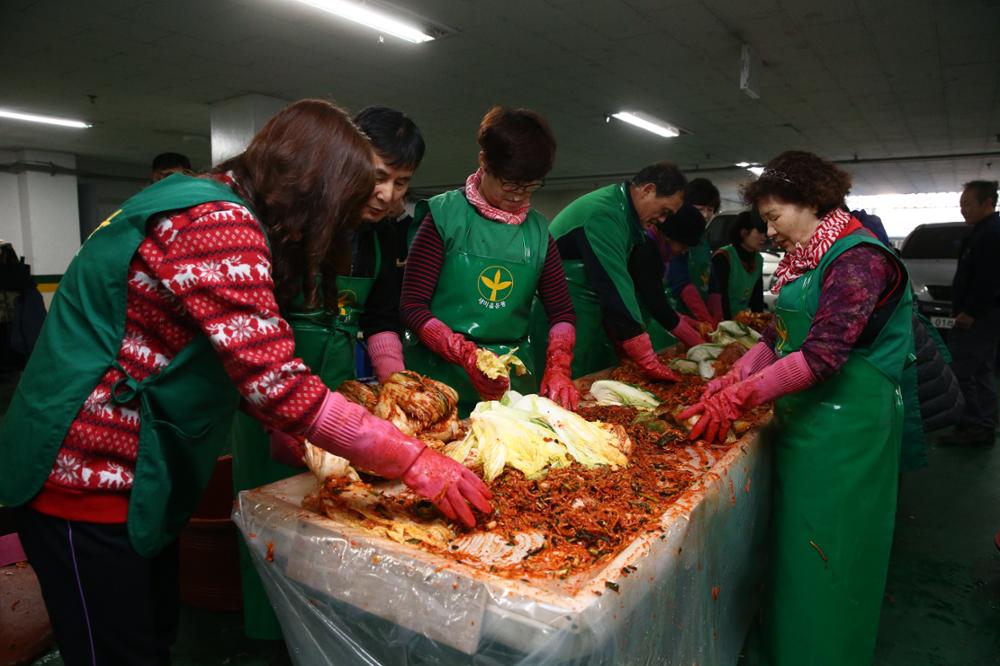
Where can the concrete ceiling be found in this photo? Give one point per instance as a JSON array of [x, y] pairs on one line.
[[908, 87]]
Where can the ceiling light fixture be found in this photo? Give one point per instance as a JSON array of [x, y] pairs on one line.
[[353, 11], [48, 120], [647, 123], [742, 165]]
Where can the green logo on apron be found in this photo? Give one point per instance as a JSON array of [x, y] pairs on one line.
[[495, 285], [346, 299]]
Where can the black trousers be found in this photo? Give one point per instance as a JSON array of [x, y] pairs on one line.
[[974, 354], [108, 604]]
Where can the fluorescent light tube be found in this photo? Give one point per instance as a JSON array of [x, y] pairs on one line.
[[665, 131], [352, 11], [742, 165], [48, 120]]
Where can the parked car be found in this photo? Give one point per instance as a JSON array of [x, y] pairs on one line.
[[930, 253], [718, 235]]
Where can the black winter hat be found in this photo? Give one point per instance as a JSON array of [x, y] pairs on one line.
[[686, 226]]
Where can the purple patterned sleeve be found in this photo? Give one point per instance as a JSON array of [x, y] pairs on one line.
[[852, 287]]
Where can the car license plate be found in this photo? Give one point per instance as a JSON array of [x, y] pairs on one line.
[[943, 322]]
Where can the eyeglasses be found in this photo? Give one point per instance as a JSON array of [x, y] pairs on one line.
[[520, 188]]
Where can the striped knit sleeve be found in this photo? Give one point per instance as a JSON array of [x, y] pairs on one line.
[[552, 289], [423, 266], [219, 271]]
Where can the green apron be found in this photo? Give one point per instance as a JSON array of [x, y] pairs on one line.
[[741, 282], [185, 409], [485, 289], [836, 474], [325, 342], [699, 260], [613, 231]]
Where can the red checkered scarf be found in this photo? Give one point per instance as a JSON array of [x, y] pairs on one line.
[[805, 258], [477, 199]]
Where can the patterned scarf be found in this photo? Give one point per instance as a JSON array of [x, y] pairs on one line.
[[805, 258], [477, 199]]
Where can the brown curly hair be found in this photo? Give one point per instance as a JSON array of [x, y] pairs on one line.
[[801, 178], [307, 174]]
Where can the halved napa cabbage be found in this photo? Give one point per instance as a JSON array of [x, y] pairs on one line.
[[609, 392], [533, 434]]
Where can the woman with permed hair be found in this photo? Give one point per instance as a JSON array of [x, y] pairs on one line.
[[478, 259], [833, 362]]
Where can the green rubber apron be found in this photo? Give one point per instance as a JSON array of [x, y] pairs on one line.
[[184, 410], [594, 350], [485, 289], [699, 259], [741, 281], [836, 471], [325, 342]]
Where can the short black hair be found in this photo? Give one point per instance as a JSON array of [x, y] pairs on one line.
[[170, 161], [985, 190], [748, 219], [395, 137], [665, 175], [686, 226], [703, 192]]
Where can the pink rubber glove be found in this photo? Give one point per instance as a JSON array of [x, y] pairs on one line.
[[715, 307], [787, 375], [687, 333], [286, 449], [371, 444], [692, 299], [640, 350], [456, 349], [386, 352], [557, 381], [756, 359]]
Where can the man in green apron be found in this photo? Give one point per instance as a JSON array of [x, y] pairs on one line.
[[326, 341], [838, 450], [597, 235], [677, 235], [479, 258], [690, 280]]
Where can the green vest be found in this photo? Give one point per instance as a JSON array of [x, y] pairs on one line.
[[484, 291], [185, 409], [325, 341], [613, 231], [741, 282], [836, 471]]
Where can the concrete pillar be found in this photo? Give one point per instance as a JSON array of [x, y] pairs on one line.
[[39, 212], [236, 120]]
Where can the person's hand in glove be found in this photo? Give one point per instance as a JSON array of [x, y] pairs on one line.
[[756, 359], [788, 375], [286, 449], [687, 332], [640, 350], [714, 305], [557, 380], [373, 445], [456, 349], [692, 299], [385, 349]]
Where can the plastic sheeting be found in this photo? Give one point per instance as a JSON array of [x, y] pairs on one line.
[[344, 596]]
